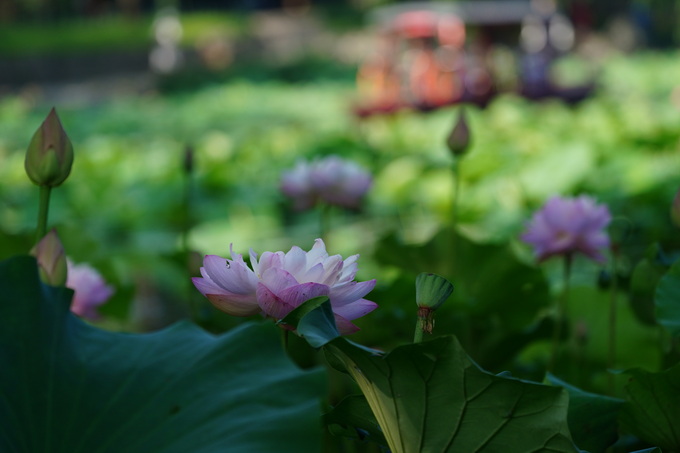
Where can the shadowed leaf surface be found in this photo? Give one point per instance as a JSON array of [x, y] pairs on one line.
[[592, 417], [653, 408], [69, 387], [352, 417], [431, 397]]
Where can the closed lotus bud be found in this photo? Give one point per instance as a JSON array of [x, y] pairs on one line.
[[675, 209], [188, 159], [50, 154], [432, 290], [51, 257], [458, 140]]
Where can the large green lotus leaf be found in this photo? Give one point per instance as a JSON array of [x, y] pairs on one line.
[[667, 299], [66, 386], [592, 417], [653, 408], [430, 397]]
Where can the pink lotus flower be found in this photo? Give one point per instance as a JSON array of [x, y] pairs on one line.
[[567, 225], [278, 282], [332, 180], [90, 289]]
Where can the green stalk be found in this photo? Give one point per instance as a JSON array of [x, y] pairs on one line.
[[186, 227], [611, 359], [456, 191], [325, 215], [561, 310], [453, 246], [418, 334], [43, 209]]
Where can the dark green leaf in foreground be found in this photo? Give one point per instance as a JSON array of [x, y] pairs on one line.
[[653, 409], [68, 387], [352, 417], [430, 397], [667, 299], [592, 417]]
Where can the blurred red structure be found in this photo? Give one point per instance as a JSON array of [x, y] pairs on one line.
[[426, 58]]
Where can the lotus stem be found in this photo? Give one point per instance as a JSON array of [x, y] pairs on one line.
[[418, 334], [454, 209], [561, 310], [611, 358], [325, 214], [456, 191], [43, 209]]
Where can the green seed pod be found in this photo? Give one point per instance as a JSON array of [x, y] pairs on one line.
[[50, 154], [432, 290]]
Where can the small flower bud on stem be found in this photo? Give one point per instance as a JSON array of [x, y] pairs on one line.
[[458, 140], [48, 162], [49, 156], [51, 257]]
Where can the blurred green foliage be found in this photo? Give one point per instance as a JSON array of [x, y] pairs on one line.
[[122, 208], [109, 33]]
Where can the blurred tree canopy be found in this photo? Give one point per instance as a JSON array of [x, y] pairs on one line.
[[657, 19]]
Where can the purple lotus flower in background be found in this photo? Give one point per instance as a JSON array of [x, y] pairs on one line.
[[332, 180], [565, 226], [90, 289], [297, 185], [278, 282]]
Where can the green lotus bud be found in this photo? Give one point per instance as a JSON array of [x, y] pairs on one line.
[[432, 290], [188, 162], [51, 259], [675, 209], [50, 154], [458, 140]]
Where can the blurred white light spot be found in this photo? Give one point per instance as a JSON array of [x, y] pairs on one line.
[[534, 36], [167, 29], [561, 34], [165, 59]]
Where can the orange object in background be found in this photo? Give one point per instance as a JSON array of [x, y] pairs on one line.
[[427, 59]]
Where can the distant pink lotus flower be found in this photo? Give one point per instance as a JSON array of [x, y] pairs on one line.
[[332, 180], [90, 289], [278, 282], [565, 226]]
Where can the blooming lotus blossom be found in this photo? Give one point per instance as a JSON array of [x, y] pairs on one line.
[[278, 282], [90, 289], [332, 180], [565, 226]]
